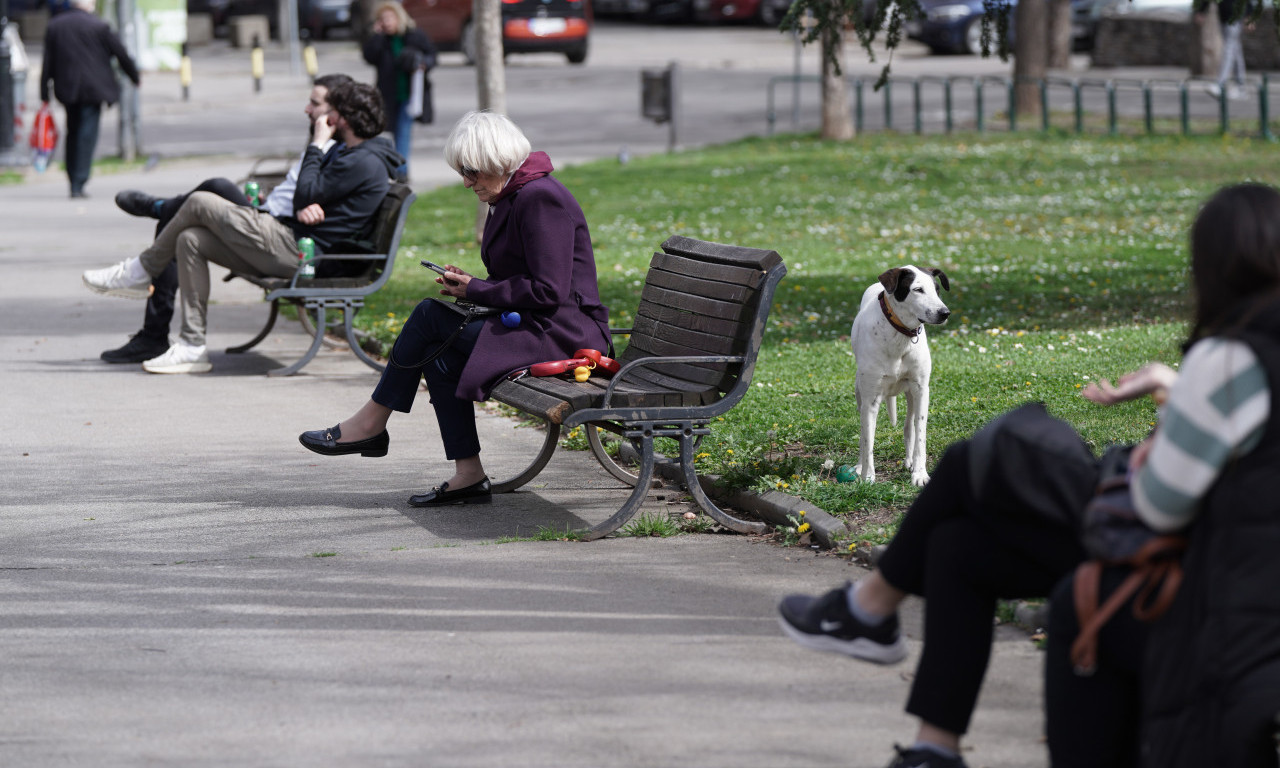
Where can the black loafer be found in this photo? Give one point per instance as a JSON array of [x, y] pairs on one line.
[[325, 442], [476, 493]]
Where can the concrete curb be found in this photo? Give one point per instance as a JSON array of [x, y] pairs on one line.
[[774, 507]]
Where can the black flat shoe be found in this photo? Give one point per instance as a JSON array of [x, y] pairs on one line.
[[140, 349], [476, 493], [136, 203], [325, 442]]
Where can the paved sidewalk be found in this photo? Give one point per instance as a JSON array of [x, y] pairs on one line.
[[185, 585]]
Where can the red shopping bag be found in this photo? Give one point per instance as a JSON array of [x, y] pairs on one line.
[[44, 137]]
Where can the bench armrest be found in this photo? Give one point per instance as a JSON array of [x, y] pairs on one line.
[[646, 362]]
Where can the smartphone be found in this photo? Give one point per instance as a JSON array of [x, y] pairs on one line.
[[434, 267]]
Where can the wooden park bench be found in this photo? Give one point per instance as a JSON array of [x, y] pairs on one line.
[[690, 358], [368, 264]]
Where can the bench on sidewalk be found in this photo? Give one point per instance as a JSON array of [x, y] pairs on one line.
[[368, 264], [690, 359]]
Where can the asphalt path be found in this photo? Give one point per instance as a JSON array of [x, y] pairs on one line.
[[182, 584]]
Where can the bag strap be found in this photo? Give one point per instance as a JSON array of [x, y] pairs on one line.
[[1156, 576]]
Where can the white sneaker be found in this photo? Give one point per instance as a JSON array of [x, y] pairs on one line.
[[180, 358], [115, 281], [1235, 92], [1214, 90]]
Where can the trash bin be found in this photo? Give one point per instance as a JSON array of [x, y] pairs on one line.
[[655, 94]]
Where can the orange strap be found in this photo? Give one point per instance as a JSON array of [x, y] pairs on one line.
[[1156, 575]]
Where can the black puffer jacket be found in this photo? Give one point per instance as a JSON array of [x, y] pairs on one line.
[[1224, 626]]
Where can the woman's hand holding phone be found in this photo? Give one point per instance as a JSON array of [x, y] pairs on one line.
[[453, 279]]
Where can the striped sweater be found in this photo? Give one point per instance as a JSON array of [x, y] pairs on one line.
[[1216, 411]]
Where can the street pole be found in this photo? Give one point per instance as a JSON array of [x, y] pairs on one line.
[[289, 31], [129, 113], [6, 91]]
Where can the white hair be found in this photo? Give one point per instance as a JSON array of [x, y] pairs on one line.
[[487, 142], [86, 5]]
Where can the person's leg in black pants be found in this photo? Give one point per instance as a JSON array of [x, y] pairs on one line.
[[82, 139], [949, 552], [153, 339], [1092, 720], [427, 328], [433, 344]]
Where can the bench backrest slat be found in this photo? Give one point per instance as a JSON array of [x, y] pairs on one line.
[[701, 298]]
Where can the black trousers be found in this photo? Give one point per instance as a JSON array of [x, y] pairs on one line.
[[1094, 721], [159, 312], [82, 140], [426, 330], [949, 551]]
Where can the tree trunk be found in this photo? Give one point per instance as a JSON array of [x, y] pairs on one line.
[[1030, 54], [491, 78], [1059, 34], [1205, 54], [837, 122]]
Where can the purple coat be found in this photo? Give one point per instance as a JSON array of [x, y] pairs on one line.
[[537, 251]]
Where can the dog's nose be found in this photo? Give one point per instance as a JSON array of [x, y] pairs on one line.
[[943, 315]]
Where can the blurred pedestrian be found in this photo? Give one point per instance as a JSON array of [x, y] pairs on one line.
[[78, 49], [1232, 16], [399, 51]]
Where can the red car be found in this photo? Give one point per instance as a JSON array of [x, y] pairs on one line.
[[528, 26]]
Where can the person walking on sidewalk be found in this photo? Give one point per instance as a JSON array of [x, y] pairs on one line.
[[1231, 17], [153, 339], [78, 49], [336, 198]]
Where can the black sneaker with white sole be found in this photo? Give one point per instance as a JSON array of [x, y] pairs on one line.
[[825, 624], [923, 758]]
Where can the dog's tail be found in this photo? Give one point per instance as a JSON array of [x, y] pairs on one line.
[[893, 409]]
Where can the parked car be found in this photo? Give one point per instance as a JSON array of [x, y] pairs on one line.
[[766, 12], [955, 26], [528, 26], [318, 17]]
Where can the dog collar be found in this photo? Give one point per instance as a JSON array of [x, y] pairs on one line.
[[897, 324]]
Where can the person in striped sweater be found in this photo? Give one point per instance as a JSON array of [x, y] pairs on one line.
[[1201, 685]]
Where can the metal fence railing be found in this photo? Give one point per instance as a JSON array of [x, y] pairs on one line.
[[969, 102]]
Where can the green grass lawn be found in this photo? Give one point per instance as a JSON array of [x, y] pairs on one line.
[[1067, 259]]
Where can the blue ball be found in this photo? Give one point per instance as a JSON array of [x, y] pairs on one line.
[[511, 319]]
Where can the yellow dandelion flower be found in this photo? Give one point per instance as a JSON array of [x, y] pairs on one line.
[[802, 528], [802, 513]]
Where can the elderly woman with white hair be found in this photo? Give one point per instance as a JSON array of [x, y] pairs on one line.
[[537, 252]]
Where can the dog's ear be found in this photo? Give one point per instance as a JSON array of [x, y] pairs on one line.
[[896, 281], [942, 277]]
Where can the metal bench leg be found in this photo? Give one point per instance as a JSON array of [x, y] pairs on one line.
[[611, 466], [540, 461], [316, 341], [271, 323], [688, 445], [354, 343], [638, 494]]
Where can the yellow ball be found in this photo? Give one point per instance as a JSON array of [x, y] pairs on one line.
[[581, 373]]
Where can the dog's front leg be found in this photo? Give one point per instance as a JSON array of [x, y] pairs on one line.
[[914, 431], [868, 410]]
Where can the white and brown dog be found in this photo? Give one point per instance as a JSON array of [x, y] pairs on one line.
[[892, 356]]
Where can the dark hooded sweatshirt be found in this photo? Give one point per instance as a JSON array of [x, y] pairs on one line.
[[349, 183], [537, 251]]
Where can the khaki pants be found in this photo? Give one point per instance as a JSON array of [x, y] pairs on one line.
[[208, 228]]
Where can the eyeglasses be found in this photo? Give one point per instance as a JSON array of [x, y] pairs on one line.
[[470, 174]]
